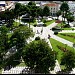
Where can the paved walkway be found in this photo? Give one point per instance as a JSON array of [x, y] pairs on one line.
[[67, 31]]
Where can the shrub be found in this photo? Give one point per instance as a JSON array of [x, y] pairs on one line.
[[53, 28], [35, 25], [44, 21], [44, 25], [55, 33], [37, 38], [21, 25], [72, 28]]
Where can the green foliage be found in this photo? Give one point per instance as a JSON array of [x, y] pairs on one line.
[[46, 11], [44, 21], [35, 25], [44, 25], [55, 33], [58, 13], [20, 35], [39, 56], [68, 60], [37, 38], [3, 43], [64, 7]]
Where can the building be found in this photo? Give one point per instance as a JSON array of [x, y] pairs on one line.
[[9, 5], [53, 7], [71, 6], [24, 2], [2, 6]]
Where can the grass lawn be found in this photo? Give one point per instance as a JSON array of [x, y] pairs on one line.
[[54, 44], [66, 28], [60, 24], [15, 24], [49, 22], [21, 64], [32, 23], [0, 71], [71, 39]]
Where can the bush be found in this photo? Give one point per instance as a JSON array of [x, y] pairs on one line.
[[37, 38], [44, 21], [72, 28], [44, 25], [55, 33], [21, 25], [35, 25], [53, 28]]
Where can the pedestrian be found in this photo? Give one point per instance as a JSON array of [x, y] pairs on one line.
[[37, 32], [41, 30], [49, 36]]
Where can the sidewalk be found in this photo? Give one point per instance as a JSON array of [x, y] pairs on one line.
[[67, 31], [52, 25]]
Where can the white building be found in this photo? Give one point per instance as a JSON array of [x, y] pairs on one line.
[[72, 7], [10, 5], [24, 2], [2, 6], [53, 7]]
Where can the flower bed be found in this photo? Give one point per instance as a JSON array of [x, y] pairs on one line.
[[62, 48], [68, 35]]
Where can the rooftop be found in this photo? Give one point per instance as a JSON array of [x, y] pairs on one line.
[[51, 4]]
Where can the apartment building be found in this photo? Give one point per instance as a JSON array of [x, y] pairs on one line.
[[53, 7]]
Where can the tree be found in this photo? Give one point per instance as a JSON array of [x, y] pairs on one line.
[[32, 8], [58, 14], [20, 36], [3, 43], [9, 18], [19, 40], [39, 56], [69, 17], [46, 11], [40, 12], [68, 60], [64, 8]]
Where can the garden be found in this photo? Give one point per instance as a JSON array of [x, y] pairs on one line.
[[68, 36], [60, 49]]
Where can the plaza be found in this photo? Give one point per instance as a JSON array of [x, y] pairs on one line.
[[55, 38]]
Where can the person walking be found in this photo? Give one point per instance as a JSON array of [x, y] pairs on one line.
[[41, 30], [49, 36]]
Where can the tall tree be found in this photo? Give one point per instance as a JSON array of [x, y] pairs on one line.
[[20, 35], [64, 8], [70, 18], [58, 14], [39, 56], [3, 43], [19, 40], [46, 11]]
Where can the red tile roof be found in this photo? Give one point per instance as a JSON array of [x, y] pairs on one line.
[[52, 4]]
